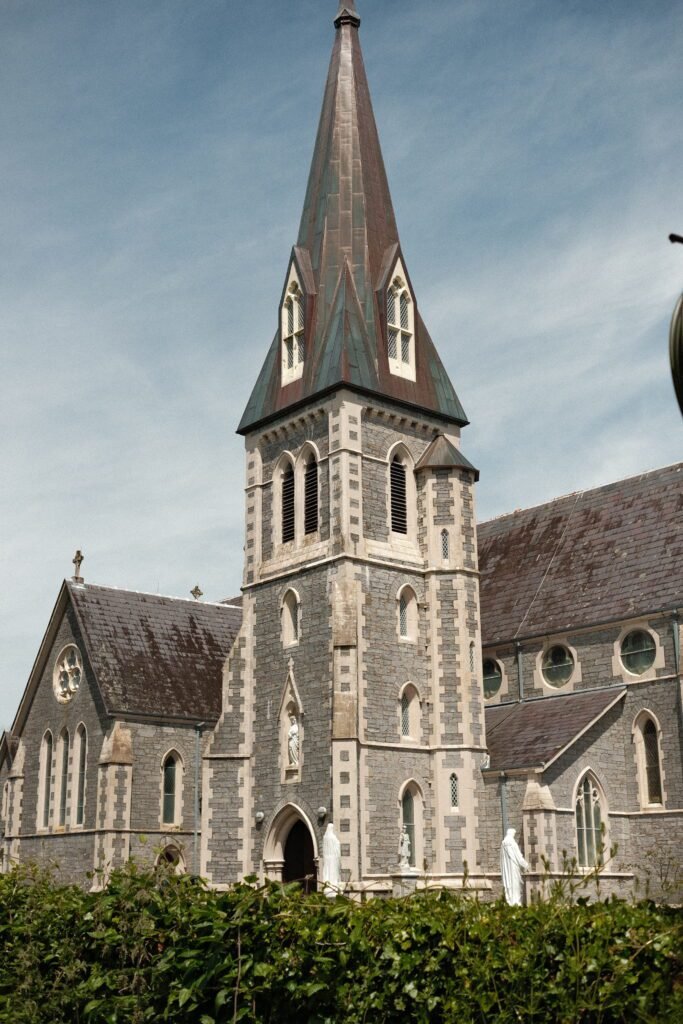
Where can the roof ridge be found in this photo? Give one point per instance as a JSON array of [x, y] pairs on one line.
[[147, 593]]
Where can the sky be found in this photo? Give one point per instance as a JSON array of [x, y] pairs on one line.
[[153, 161]]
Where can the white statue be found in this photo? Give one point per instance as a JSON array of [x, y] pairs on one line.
[[404, 849], [512, 864], [331, 876], [293, 741]]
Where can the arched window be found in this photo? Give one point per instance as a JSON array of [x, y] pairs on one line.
[[408, 821], [311, 496], [445, 545], [288, 521], [5, 805], [171, 859], [290, 618], [454, 789], [80, 758], [399, 507], [410, 713], [46, 778], [411, 804], [63, 776], [400, 327], [646, 737], [292, 328], [589, 822], [407, 614], [170, 774]]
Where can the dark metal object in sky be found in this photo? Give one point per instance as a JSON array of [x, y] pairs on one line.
[[676, 342]]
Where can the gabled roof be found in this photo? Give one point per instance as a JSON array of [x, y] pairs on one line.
[[347, 247], [151, 655], [614, 552], [155, 655], [534, 733]]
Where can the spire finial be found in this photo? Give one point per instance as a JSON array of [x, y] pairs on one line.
[[347, 14]]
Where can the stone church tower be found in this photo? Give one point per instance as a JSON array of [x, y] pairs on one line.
[[353, 693]]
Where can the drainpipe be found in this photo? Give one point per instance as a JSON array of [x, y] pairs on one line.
[[677, 666], [503, 801], [197, 758], [520, 672]]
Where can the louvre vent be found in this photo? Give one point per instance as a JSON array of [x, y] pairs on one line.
[[311, 497], [288, 505], [399, 514]]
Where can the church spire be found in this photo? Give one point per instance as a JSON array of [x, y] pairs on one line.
[[347, 255]]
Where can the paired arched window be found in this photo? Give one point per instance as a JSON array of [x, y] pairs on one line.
[[311, 495], [407, 614], [646, 738], [410, 713], [290, 618], [453, 789], [63, 775], [399, 505], [45, 794], [288, 509], [400, 328], [292, 331], [80, 760], [171, 779], [590, 819]]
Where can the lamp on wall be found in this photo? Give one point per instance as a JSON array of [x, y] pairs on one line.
[[322, 813], [259, 817]]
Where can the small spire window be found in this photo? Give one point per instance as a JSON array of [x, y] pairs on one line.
[[445, 545], [400, 326], [454, 790], [292, 329]]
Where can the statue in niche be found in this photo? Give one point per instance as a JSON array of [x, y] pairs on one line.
[[512, 864], [404, 849], [293, 741], [331, 875]]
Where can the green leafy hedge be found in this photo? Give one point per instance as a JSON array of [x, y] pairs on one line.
[[156, 947]]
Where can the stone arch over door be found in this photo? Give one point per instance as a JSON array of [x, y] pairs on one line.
[[290, 852]]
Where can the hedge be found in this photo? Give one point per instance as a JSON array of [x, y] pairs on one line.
[[156, 947]]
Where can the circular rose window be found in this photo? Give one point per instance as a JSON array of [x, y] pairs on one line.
[[67, 674]]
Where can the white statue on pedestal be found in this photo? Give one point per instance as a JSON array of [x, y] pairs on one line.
[[293, 741], [331, 876], [404, 849], [512, 864]]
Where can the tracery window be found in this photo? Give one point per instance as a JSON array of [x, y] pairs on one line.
[[589, 820], [67, 674]]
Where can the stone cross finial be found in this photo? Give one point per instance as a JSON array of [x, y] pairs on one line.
[[197, 593], [78, 561]]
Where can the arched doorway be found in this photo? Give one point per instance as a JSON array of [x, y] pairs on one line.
[[290, 853], [299, 865]]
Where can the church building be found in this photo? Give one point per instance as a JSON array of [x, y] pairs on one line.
[[391, 667]]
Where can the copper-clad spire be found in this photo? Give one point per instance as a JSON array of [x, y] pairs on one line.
[[347, 247]]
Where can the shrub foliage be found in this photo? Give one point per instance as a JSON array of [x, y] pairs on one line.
[[156, 947]]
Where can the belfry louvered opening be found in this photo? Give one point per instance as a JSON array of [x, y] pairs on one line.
[[399, 508], [311, 497], [288, 505]]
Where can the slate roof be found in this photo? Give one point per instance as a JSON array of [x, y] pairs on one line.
[[347, 246], [590, 557], [532, 734], [155, 655]]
